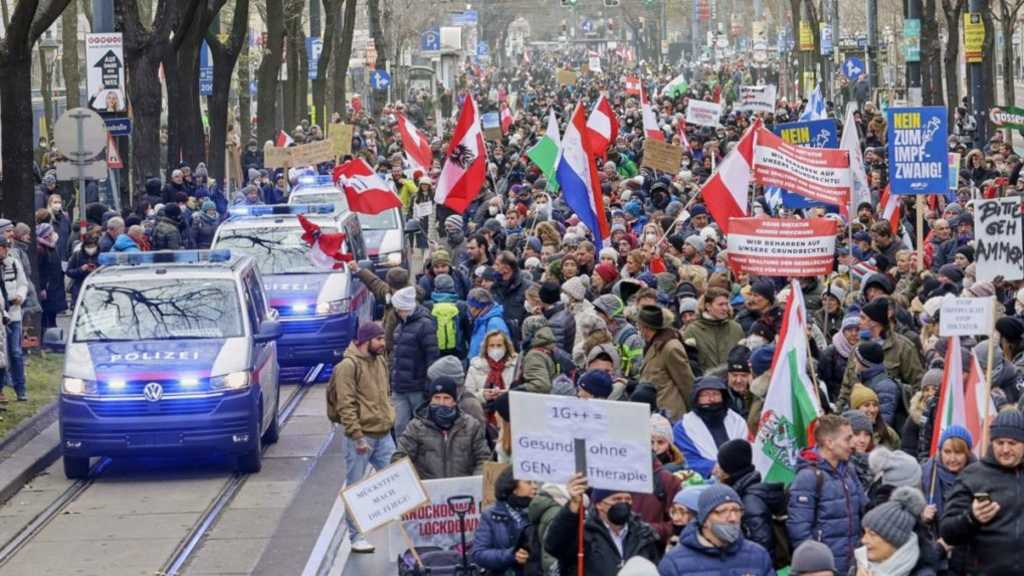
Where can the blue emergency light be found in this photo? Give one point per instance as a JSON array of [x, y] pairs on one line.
[[281, 209], [164, 257], [313, 180]]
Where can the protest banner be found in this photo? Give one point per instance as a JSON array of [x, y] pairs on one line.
[[340, 135], [491, 472], [385, 496], [701, 113], [491, 123], [302, 155], [773, 247], [814, 134], [966, 316], [818, 174], [755, 99], [918, 161], [436, 523], [566, 77], [999, 249], [554, 436], [662, 156]]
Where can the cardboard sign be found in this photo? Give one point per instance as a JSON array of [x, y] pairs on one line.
[[756, 99], [340, 135], [775, 247], [966, 317], [435, 523], [566, 77], [610, 441], [999, 248], [703, 113], [662, 156], [817, 173], [303, 155], [918, 161], [385, 497], [491, 472]]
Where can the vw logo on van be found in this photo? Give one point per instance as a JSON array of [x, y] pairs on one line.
[[153, 392]]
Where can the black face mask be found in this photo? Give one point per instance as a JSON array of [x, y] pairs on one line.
[[619, 513], [665, 457], [520, 502], [443, 416], [716, 410]]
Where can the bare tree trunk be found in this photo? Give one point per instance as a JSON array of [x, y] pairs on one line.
[[270, 67], [953, 10], [379, 43], [1006, 24], [69, 57], [988, 66], [343, 46], [225, 57], [931, 67], [244, 94], [332, 10]]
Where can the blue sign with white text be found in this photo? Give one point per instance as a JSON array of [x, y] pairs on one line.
[[380, 79], [918, 160], [205, 71], [430, 40], [314, 47], [853, 67], [813, 134]]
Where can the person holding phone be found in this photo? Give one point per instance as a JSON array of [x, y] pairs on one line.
[[983, 512]]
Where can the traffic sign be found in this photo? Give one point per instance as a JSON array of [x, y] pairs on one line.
[[482, 49], [205, 70], [587, 25], [853, 67], [113, 156], [380, 79], [118, 125], [80, 134], [314, 47], [430, 41]]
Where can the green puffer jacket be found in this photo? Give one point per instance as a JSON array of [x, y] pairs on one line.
[[713, 339], [539, 367], [543, 508]]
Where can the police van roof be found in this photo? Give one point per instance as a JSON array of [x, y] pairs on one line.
[[324, 215], [191, 263]]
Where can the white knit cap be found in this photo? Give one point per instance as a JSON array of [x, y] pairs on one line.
[[404, 299]]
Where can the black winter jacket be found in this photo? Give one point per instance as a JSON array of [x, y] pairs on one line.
[[563, 324], [761, 500], [512, 297], [599, 552], [415, 349]]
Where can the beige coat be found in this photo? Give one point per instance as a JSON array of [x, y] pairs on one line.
[[358, 394], [667, 366]]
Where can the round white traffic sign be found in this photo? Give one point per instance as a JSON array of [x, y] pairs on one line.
[[80, 134]]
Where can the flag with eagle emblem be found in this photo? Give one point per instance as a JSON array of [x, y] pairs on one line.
[[465, 162]]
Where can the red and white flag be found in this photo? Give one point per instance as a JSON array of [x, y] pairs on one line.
[[726, 192], [651, 129], [681, 130], [365, 191], [633, 85], [465, 161], [283, 140], [327, 249], [974, 404], [416, 144], [506, 119], [890, 209], [602, 127]]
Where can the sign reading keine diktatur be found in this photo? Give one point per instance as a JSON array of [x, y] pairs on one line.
[[966, 317], [999, 248], [776, 247], [385, 496], [614, 438]]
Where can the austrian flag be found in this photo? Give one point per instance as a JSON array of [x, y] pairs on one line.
[[726, 192], [365, 191], [327, 249], [416, 144], [465, 162]]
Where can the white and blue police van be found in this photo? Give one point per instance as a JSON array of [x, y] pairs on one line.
[[170, 352], [385, 234], [319, 310]]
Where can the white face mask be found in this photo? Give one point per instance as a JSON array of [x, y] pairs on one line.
[[492, 210], [496, 353]]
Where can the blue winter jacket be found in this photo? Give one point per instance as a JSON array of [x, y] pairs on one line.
[[483, 325], [831, 515], [692, 558], [124, 243], [494, 543], [886, 388], [415, 349]]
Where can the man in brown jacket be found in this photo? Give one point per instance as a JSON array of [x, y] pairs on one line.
[[359, 399], [665, 362]]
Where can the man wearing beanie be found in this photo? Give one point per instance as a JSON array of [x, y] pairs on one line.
[[891, 542], [665, 363], [357, 398], [738, 380], [708, 426], [871, 373], [714, 542], [441, 263], [442, 441], [595, 384], [415, 349], [761, 501], [394, 280], [812, 559], [761, 298], [451, 367], [900, 356], [560, 320], [984, 510]]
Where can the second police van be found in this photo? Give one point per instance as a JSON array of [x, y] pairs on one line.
[[320, 310], [169, 352]]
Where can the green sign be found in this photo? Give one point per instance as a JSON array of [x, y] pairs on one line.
[[912, 39], [1007, 117]]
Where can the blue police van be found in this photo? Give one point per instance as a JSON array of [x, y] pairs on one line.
[[170, 352]]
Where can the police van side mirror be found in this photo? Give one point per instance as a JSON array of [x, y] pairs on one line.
[[53, 339], [269, 330], [412, 226]]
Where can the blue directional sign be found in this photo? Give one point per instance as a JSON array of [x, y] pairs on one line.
[[482, 49], [118, 125], [587, 25], [314, 48], [853, 68], [430, 40], [380, 79], [205, 71]]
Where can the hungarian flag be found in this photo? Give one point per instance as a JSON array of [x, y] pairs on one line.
[[545, 152], [791, 404], [675, 87], [506, 119], [950, 411], [416, 144], [327, 249], [974, 405], [726, 192], [651, 129], [283, 140], [465, 162], [633, 85], [365, 191], [602, 127]]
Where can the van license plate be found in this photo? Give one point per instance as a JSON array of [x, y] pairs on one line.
[[155, 439]]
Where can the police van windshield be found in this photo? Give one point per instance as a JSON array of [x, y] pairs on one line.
[[159, 310], [276, 249], [383, 221]]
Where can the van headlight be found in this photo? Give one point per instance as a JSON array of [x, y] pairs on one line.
[[230, 381], [79, 387], [391, 259], [331, 307]]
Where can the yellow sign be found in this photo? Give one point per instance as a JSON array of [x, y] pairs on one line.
[[806, 37], [974, 37], [340, 135]]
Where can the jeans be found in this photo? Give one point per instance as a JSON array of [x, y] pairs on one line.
[[378, 456], [405, 408], [15, 359]]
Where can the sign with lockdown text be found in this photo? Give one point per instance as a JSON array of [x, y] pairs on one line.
[[999, 244], [966, 317], [552, 436], [918, 160], [436, 523], [386, 496]]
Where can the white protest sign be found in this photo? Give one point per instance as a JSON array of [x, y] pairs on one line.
[[756, 99], [385, 496], [999, 250], [966, 317], [104, 65], [436, 523], [703, 113], [547, 430]]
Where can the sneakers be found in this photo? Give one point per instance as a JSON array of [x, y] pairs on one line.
[[361, 546], [22, 398]]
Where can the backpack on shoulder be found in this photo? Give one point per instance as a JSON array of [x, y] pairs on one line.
[[446, 316]]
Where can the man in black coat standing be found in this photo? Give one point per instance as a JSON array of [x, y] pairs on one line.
[[761, 500]]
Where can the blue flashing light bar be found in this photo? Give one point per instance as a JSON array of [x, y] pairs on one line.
[[318, 179], [164, 257], [281, 209]]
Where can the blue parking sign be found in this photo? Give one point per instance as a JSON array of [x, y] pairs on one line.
[[430, 40], [918, 161]]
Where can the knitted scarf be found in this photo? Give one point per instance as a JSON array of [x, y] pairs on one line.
[[494, 376], [842, 344], [901, 563]]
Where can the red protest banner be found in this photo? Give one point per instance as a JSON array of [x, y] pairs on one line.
[[821, 174], [776, 247]]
